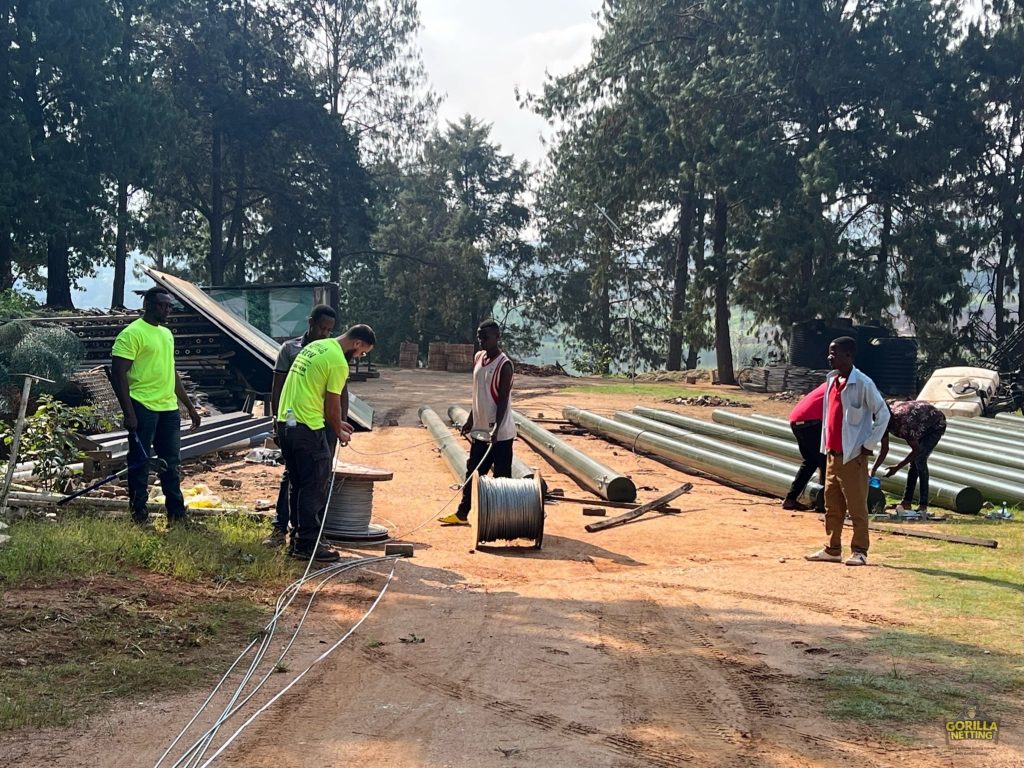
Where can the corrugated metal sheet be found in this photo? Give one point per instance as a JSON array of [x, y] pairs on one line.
[[252, 339]]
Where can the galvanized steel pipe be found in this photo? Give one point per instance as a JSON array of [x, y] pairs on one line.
[[981, 427], [762, 473], [943, 491], [948, 448], [1010, 418], [591, 474], [455, 457]]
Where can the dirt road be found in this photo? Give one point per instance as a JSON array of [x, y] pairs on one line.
[[686, 640]]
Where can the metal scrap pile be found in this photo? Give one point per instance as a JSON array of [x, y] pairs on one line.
[[708, 401]]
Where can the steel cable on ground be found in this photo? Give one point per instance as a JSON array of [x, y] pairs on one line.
[[268, 633], [265, 646], [388, 453], [198, 748], [202, 744], [304, 672]]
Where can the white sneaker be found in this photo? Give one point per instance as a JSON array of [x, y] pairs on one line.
[[857, 558], [821, 556]]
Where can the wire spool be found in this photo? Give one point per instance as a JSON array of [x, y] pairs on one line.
[[480, 435], [508, 509], [349, 512], [351, 505]]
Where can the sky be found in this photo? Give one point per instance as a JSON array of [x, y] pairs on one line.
[[477, 52]]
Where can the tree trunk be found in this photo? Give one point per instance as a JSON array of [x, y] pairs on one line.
[[6, 260], [723, 280], [58, 280], [334, 246], [120, 246], [882, 268], [215, 260], [235, 254], [999, 289], [606, 322], [680, 281], [693, 354], [1018, 245]]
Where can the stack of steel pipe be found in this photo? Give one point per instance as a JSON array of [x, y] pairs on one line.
[[1010, 418], [731, 463], [951, 495], [967, 463]]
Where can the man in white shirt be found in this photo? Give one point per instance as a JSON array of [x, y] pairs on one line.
[[492, 411], [854, 418]]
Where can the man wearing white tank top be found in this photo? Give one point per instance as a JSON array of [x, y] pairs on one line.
[[492, 411]]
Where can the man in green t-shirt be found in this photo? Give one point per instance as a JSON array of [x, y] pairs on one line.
[[310, 402], [148, 389]]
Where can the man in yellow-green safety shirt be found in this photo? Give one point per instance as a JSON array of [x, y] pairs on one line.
[[310, 402], [148, 388]]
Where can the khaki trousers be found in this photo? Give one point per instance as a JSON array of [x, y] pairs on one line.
[[846, 491]]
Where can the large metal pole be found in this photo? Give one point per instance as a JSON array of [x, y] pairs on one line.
[[592, 475], [951, 468], [1010, 418], [455, 457], [774, 476], [982, 427], [1002, 484], [947, 448], [967, 499], [457, 415]]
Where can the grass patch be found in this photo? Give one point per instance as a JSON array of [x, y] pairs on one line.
[[856, 694], [663, 391], [964, 646], [42, 551], [970, 594], [96, 610]]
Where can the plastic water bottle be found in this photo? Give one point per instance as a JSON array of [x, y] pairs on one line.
[[289, 418], [874, 482], [1004, 512]]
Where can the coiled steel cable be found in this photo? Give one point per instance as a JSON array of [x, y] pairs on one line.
[[508, 509]]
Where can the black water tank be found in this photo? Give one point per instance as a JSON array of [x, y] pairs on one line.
[[867, 353], [808, 345], [895, 364]]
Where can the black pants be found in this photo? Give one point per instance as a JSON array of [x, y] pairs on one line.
[[284, 493], [159, 433], [500, 459], [307, 459], [808, 439], [918, 469]]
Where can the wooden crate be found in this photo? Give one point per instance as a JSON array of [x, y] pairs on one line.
[[409, 355], [460, 358], [437, 356]]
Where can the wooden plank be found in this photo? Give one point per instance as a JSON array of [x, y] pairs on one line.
[[951, 538], [635, 513], [360, 471], [597, 501]]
